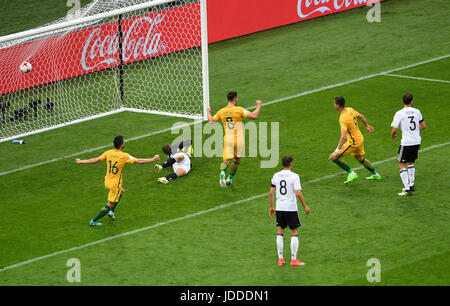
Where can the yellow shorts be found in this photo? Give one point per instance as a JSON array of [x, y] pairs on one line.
[[349, 149], [115, 190], [234, 148]]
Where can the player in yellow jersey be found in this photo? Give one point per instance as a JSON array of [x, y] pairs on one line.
[[116, 160], [351, 141], [233, 140]]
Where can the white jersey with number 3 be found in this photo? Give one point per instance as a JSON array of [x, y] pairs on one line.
[[409, 119], [286, 183]]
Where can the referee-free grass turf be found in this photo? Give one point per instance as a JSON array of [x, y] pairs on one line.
[[46, 209]]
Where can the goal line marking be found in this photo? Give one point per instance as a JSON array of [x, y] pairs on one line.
[[188, 216], [252, 107]]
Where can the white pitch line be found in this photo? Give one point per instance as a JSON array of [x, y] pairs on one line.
[[416, 78], [159, 224], [267, 103], [358, 79], [88, 151], [378, 162]]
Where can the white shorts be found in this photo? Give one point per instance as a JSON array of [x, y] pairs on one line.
[[177, 166]]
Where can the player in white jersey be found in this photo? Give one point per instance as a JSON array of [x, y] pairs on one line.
[[286, 185], [410, 120], [179, 159]]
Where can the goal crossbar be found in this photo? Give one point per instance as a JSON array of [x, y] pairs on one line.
[[117, 12], [78, 21]]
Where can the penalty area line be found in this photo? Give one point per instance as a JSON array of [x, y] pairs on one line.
[[416, 78], [159, 224]]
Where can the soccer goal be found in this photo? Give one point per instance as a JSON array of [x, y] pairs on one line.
[[108, 57]]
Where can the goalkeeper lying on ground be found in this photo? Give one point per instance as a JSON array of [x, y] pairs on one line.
[[179, 158]]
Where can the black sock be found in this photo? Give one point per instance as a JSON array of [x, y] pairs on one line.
[[185, 144], [169, 162], [171, 176]]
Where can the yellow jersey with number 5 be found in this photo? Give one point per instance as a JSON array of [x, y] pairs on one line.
[[348, 121], [115, 163], [231, 117]]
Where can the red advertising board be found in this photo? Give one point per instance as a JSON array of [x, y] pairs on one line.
[[155, 34], [97, 48], [232, 18]]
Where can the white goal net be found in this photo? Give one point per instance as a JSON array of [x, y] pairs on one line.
[[107, 57]]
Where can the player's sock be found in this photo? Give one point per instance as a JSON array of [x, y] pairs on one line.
[[368, 165], [280, 245], [171, 176], [343, 165], [169, 162], [294, 247], [223, 168], [233, 169], [103, 212], [411, 174], [115, 204], [404, 177]]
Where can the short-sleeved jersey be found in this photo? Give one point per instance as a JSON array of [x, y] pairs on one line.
[[348, 121], [231, 117], [409, 119], [115, 163], [186, 162], [286, 183]]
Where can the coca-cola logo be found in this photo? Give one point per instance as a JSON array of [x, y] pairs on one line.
[[141, 39], [306, 8]]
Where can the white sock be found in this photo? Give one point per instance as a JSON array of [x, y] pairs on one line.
[[411, 172], [280, 245], [404, 177], [294, 247]]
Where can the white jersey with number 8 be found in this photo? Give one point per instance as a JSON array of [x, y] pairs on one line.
[[286, 183]]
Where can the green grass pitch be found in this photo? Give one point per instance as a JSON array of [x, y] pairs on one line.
[[193, 232]]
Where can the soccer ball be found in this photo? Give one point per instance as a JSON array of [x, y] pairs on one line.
[[25, 67]]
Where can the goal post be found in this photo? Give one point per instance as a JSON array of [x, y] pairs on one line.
[[150, 57]]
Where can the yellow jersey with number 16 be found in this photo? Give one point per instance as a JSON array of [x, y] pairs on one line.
[[115, 163]]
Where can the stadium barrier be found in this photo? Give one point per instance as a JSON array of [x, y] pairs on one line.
[[97, 48], [233, 18], [144, 37]]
